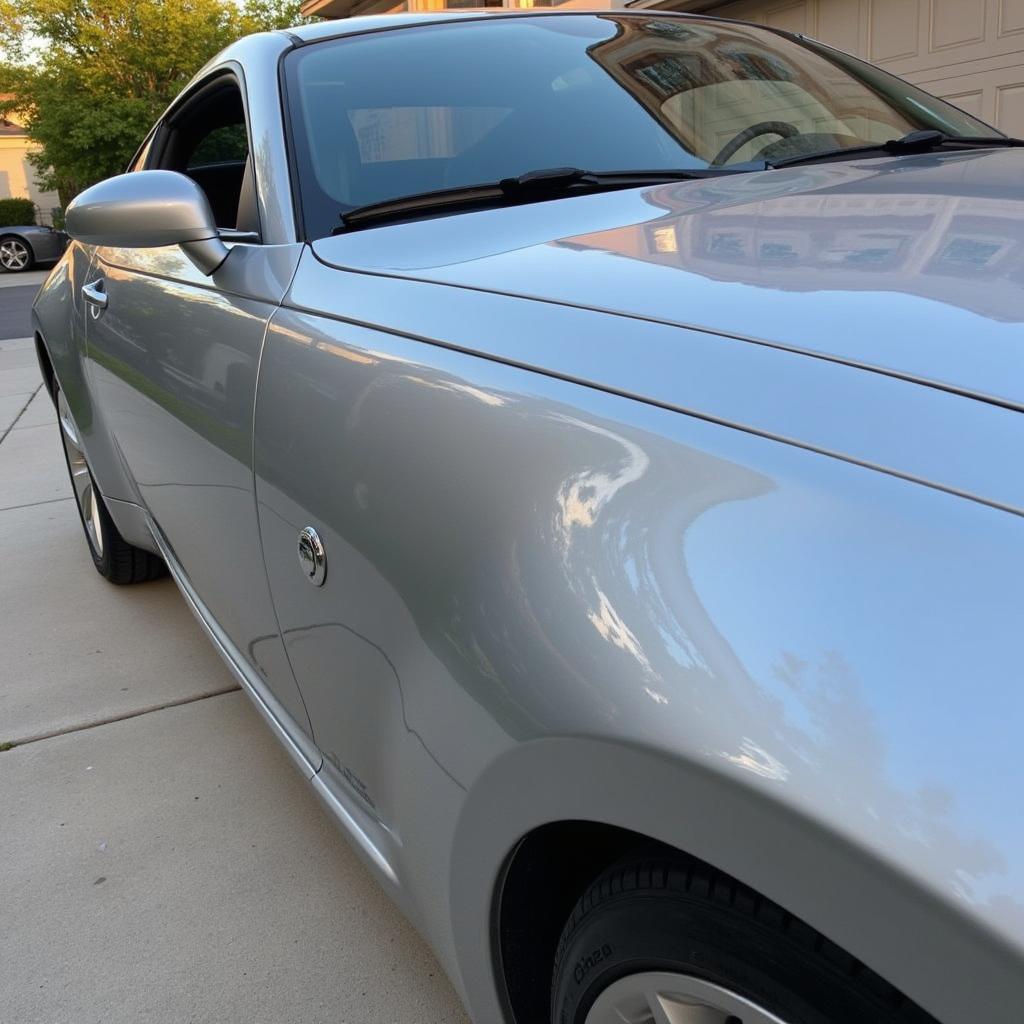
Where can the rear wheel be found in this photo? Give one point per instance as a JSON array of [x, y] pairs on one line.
[[666, 940], [16, 254], [114, 558]]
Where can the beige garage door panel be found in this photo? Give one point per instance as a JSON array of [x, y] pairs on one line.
[[969, 51], [1010, 108], [971, 100], [894, 30], [841, 23], [793, 17], [994, 96]]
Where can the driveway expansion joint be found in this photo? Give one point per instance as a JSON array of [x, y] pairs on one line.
[[3, 436], [33, 504], [111, 719]]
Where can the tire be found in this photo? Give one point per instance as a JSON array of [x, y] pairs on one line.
[[672, 929], [115, 559], [16, 255]]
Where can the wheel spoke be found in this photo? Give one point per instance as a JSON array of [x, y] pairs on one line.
[[656, 997], [96, 524], [13, 255], [69, 428], [663, 1013], [81, 479], [668, 1010]]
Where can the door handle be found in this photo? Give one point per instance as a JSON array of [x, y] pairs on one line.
[[94, 294]]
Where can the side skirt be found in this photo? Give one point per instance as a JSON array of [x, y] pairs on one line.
[[300, 748], [369, 837]]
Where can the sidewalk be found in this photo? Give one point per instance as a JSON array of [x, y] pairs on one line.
[[160, 859]]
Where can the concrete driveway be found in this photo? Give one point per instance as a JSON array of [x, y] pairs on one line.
[[160, 859]]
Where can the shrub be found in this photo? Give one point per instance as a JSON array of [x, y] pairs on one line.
[[17, 211]]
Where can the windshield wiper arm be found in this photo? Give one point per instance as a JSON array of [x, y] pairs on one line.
[[534, 186], [913, 142]]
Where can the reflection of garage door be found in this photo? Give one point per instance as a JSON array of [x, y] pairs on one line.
[[970, 52]]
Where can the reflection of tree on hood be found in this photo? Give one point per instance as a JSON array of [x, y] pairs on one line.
[[843, 733]]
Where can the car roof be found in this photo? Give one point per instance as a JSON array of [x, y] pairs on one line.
[[374, 22], [371, 22]]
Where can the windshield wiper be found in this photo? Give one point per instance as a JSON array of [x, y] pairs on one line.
[[534, 186], [913, 142]]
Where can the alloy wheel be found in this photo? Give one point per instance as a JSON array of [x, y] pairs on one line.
[[14, 254], [81, 478], [657, 997]]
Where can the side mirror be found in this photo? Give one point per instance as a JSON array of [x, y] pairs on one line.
[[147, 209]]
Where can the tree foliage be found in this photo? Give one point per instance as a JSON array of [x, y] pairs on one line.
[[90, 77]]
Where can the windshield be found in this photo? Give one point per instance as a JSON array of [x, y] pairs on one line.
[[408, 110]]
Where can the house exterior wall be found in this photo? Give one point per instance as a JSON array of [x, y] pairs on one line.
[[970, 52], [18, 176]]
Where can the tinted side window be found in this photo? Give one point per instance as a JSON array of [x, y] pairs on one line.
[[207, 140], [225, 144]]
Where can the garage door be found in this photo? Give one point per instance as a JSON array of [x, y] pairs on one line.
[[970, 52]]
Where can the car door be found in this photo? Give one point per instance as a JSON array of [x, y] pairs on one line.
[[173, 358]]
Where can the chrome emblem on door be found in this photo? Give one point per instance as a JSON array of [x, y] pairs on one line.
[[312, 557]]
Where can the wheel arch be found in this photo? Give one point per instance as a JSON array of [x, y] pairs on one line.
[[610, 795], [541, 880], [64, 369], [45, 366], [7, 233]]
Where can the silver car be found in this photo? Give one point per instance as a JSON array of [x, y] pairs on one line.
[[594, 442], [23, 246]]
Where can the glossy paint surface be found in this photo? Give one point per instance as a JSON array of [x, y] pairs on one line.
[[694, 510], [142, 210], [923, 433], [912, 265], [514, 558], [173, 364]]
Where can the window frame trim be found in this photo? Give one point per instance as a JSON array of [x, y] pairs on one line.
[[161, 131]]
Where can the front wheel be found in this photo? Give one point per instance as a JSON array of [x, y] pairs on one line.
[[114, 558], [15, 254], [667, 940]]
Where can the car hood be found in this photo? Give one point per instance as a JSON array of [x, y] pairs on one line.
[[912, 266]]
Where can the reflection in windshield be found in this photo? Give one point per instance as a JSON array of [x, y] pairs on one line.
[[597, 92]]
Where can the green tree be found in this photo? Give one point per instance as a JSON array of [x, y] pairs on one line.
[[90, 77]]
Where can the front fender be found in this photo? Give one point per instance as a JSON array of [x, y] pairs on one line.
[[766, 656], [869, 906]]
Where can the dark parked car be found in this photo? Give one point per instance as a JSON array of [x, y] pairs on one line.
[[22, 246]]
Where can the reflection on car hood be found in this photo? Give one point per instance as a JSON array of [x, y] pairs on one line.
[[912, 265]]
